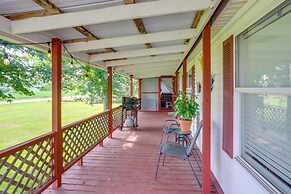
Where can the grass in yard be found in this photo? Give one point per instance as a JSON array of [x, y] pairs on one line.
[[24, 121]]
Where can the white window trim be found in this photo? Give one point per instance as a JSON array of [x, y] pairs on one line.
[[281, 90], [261, 179]]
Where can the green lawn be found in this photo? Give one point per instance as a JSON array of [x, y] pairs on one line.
[[24, 121], [39, 94]]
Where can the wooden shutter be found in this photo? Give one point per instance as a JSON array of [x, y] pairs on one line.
[[227, 61]]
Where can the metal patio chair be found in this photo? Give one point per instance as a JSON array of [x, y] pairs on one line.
[[176, 150], [169, 126]]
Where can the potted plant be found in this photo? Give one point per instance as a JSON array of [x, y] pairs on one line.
[[185, 109]]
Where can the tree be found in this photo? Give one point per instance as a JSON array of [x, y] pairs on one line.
[[26, 71], [30, 69]]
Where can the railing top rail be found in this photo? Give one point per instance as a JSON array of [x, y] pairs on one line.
[[26, 144], [69, 126], [117, 107]]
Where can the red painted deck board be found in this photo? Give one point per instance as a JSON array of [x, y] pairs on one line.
[[127, 163]]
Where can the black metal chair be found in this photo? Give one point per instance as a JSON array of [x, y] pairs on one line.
[[176, 150], [169, 126]]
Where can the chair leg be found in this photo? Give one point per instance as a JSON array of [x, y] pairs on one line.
[[158, 166], [196, 161], [167, 136], [162, 138], [164, 160], [194, 172]]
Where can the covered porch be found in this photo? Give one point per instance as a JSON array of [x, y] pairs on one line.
[[127, 162], [193, 44]]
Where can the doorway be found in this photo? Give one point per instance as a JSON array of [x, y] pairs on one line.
[[166, 94]]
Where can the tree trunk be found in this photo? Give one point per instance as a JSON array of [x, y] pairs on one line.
[[105, 104]]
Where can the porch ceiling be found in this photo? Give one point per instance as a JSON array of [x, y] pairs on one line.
[[144, 38]]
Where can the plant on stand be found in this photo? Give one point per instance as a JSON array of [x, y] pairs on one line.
[[185, 109]]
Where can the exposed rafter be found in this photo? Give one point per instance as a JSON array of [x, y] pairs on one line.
[[195, 22], [139, 53], [109, 60], [205, 18], [21, 16], [139, 23], [52, 9], [109, 14], [129, 1], [132, 40], [94, 53], [48, 6], [80, 40]]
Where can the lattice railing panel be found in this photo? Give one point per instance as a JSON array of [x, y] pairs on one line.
[[29, 168], [80, 137], [271, 117], [117, 118]]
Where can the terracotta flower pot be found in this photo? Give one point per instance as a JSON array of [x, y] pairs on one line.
[[185, 125]]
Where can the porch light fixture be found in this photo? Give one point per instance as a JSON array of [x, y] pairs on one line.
[[49, 52], [71, 63], [6, 59], [5, 56], [86, 76]]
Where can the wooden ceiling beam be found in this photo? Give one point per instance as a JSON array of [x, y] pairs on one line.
[[48, 6], [109, 60], [5, 24], [98, 52], [22, 16], [195, 22], [197, 19], [52, 8], [132, 40], [108, 14], [139, 23], [138, 53], [129, 2], [140, 60], [77, 40]]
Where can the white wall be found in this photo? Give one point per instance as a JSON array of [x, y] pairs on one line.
[[232, 177]]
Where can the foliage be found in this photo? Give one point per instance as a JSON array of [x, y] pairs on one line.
[[30, 69], [23, 72], [185, 106]]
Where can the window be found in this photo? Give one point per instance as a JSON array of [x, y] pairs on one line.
[[263, 82]]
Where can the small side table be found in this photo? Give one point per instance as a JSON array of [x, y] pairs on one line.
[[182, 138]]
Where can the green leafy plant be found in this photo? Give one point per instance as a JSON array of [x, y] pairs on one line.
[[185, 106]]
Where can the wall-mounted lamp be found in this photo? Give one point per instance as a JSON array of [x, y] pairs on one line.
[[49, 52], [6, 59]]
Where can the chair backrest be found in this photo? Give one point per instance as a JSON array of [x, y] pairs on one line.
[[191, 147]]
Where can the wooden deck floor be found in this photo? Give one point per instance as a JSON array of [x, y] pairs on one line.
[[127, 163]]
